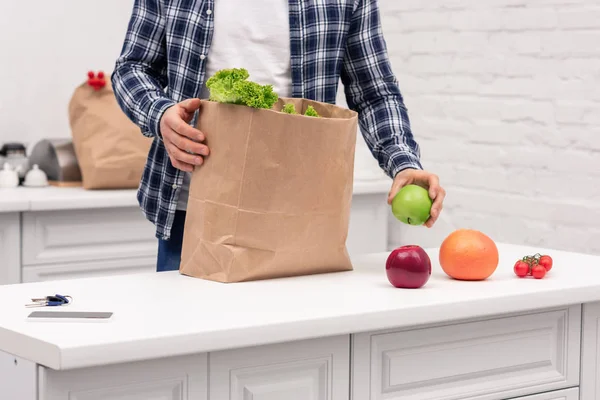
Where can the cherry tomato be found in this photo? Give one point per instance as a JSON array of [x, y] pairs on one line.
[[538, 271], [546, 262], [521, 269]]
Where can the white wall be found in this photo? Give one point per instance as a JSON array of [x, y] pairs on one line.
[[46, 50], [504, 97]]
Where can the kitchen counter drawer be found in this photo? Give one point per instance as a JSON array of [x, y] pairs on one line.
[[491, 359], [88, 269], [171, 378], [313, 369], [51, 237]]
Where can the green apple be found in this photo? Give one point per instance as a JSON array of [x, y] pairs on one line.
[[412, 205]]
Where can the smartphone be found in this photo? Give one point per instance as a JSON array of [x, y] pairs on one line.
[[70, 315]]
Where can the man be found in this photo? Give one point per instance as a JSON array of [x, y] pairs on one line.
[[302, 47]]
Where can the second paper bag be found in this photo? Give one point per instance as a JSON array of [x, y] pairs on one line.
[[273, 198], [111, 151]]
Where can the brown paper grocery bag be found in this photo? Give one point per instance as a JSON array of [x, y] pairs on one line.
[[273, 198], [111, 151]]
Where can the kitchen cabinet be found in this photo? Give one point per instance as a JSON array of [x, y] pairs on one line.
[[491, 359], [18, 378], [341, 336], [180, 378], [87, 269], [419, 366], [10, 248], [188, 378], [62, 236], [64, 244], [303, 370]]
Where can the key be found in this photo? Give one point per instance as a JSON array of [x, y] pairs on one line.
[[45, 304], [47, 298], [57, 298], [50, 301]]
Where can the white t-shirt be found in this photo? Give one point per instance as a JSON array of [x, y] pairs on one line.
[[251, 35]]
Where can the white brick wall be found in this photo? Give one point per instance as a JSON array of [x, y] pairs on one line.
[[504, 98]]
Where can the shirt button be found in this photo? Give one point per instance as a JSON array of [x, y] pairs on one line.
[[202, 57], [174, 186], [209, 12]]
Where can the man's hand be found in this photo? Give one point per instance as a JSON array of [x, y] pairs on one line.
[[424, 179], [180, 138]]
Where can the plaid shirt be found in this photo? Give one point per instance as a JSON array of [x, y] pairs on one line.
[[163, 58]]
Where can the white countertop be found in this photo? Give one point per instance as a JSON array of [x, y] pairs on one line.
[[13, 200], [57, 198], [167, 314]]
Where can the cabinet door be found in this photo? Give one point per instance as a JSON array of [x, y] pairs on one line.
[[88, 269], [567, 394], [70, 236], [305, 370], [178, 378], [18, 378], [590, 355], [10, 248], [487, 359]]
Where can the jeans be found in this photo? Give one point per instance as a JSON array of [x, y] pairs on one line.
[[169, 251]]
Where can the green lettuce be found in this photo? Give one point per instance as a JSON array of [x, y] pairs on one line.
[[232, 86], [289, 108], [311, 112]]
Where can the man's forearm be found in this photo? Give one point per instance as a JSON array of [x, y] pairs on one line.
[[140, 96], [386, 129], [139, 77], [372, 90]]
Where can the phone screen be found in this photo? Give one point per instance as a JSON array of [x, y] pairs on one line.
[[71, 314]]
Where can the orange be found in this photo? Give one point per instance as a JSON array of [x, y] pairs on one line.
[[468, 255]]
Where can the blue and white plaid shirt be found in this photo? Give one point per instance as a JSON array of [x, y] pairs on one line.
[[163, 62]]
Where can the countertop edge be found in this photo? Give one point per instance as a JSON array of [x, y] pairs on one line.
[[189, 344], [6, 208], [32, 349], [27, 199], [64, 204]]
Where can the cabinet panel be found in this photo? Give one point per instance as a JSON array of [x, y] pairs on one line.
[[590, 355], [368, 227], [88, 269], [488, 359], [567, 394], [18, 378], [10, 248], [84, 235], [180, 378], [305, 370]]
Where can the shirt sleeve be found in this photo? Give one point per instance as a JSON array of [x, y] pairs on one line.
[[372, 90], [139, 77]]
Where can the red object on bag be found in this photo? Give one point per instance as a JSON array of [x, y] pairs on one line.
[[97, 81]]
